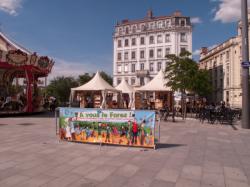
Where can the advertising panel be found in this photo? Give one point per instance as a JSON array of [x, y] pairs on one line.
[[119, 127]]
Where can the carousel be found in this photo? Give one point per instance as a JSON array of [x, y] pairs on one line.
[[19, 64]]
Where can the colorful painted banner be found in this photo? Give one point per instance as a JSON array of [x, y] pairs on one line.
[[119, 127]]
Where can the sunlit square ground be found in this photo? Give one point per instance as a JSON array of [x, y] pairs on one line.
[[191, 154]]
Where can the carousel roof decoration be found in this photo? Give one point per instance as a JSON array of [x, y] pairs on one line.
[[18, 62], [14, 56], [13, 45]]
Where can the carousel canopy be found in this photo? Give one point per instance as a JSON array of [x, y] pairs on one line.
[[156, 84], [97, 83], [124, 87], [8, 44]]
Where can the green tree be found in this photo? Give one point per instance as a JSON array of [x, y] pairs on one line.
[[183, 74], [107, 77], [202, 84], [82, 79], [180, 72], [60, 87]]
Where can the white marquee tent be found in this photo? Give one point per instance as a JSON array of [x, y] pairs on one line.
[[124, 87], [97, 83], [155, 86], [158, 83]]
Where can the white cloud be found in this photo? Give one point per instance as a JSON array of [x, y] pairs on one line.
[[10, 6], [196, 20], [70, 68], [227, 10], [212, 46], [196, 52]]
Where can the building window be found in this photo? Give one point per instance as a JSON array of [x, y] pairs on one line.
[[127, 30], [151, 40], [151, 25], [227, 96], [151, 53], [126, 56], [120, 31], [151, 66], [118, 81], [126, 68], [183, 37], [126, 42], [132, 81], [143, 28], [227, 55], [167, 52], [142, 81], [132, 68], [134, 29], [227, 81], [142, 54], [159, 53], [158, 66], [119, 43], [142, 41], [142, 66], [183, 49], [119, 68], [159, 39], [167, 39], [126, 79], [182, 23], [159, 24], [119, 56], [133, 55], [133, 41]]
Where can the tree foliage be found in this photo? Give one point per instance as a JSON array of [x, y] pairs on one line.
[[107, 77], [183, 74], [82, 79], [60, 87]]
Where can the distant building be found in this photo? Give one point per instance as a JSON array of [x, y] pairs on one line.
[[224, 64], [140, 46]]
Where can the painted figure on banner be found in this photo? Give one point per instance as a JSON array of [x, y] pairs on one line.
[[135, 132], [107, 134]]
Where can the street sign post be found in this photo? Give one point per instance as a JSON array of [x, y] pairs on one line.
[[245, 64]]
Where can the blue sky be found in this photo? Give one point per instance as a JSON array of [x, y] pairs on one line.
[[78, 33]]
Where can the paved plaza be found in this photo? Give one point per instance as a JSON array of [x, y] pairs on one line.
[[190, 155]]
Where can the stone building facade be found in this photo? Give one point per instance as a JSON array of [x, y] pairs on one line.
[[141, 46]]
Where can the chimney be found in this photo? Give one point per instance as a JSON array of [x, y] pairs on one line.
[[177, 13], [204, 50], [150, 14], [125, 21]]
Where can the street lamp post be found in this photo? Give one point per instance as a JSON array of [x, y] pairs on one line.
[[245, 67]]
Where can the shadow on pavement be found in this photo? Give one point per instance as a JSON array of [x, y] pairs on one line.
[[26, 124], [165, 145], [44, 114]]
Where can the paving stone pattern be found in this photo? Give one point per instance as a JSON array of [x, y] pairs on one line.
[[191, 154]]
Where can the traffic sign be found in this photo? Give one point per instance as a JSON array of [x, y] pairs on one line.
[[245, 64]]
